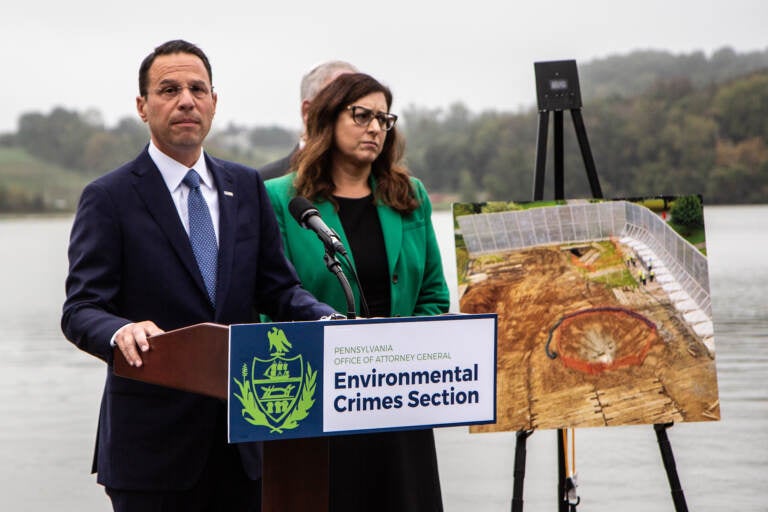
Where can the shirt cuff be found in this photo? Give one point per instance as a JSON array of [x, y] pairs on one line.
[[112, 342], [333, 316]]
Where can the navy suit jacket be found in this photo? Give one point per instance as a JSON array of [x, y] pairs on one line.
[[278, 167], [131, 260]]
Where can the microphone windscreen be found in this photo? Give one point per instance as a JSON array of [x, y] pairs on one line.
[[299, 206]]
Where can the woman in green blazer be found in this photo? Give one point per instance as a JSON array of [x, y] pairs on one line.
[[417, 285], [350, 169]]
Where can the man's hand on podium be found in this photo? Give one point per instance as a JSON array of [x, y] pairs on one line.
[[132, 339]]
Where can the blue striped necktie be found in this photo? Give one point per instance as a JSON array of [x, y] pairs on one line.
[[201, 233]]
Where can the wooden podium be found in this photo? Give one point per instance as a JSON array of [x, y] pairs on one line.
[[421, 363], [195, 359]]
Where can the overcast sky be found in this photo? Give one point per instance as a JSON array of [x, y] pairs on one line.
[[85, 54]]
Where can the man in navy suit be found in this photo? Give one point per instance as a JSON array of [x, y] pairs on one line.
[[133, 274]]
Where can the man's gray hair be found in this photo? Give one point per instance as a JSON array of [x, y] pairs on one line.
[[317, 78]]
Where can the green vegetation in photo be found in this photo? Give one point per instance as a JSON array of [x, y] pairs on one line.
[[620, 279], [687, 215], [497, 207], [462, 259], [541, 204], [609, 269], [654, 204]]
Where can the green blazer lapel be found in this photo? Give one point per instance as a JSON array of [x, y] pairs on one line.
[[333, 221], [392, 227]]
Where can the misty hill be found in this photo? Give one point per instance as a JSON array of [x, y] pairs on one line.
[[631, 74], [671, 139], [658, 123]]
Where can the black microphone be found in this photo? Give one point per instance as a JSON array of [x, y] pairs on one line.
[[309, 218]]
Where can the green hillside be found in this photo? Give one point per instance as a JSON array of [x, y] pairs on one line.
[[30, 184]]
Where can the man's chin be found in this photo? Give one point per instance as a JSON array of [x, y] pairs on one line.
[[188, 141]]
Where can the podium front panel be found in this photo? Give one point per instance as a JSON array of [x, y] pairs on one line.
[[313, 379]]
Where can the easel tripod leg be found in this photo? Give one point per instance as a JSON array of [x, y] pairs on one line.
[[562, 501], [541, 155], [586, 153], [678, 497], [559, 146], [519, 475]]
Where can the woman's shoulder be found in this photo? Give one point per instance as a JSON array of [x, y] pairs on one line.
[[418, 187], [282, 186], [416, 182]]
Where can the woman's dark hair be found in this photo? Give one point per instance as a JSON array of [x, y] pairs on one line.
[[169, 48], [313, 162]]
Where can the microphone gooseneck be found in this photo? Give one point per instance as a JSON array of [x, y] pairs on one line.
[[309, 218]]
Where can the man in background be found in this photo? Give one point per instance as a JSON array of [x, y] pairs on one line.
[[171, 239], [311, 84]]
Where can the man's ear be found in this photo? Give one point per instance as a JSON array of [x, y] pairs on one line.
[[304, 111], [141, 105]]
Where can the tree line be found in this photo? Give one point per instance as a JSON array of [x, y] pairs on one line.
[[656, 123], [672, 139]]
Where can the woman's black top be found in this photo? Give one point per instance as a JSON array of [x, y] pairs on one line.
[[386, 471], [361, 224]]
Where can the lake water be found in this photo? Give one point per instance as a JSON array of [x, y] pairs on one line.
[[50, 392]]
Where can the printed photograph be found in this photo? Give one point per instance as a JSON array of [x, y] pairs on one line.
[[604, 312]]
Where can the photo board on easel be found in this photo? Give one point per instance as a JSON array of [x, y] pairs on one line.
[[604, 314]]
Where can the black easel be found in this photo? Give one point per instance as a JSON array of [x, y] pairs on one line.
[[557, 89]]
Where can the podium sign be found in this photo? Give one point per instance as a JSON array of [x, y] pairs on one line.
[[312, 379]]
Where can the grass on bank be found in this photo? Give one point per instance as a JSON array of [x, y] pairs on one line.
[[27, 183]]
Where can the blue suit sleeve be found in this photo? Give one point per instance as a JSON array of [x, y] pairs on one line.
[[89, 319]]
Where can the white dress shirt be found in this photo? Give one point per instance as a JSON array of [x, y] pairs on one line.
[[173, 173]]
